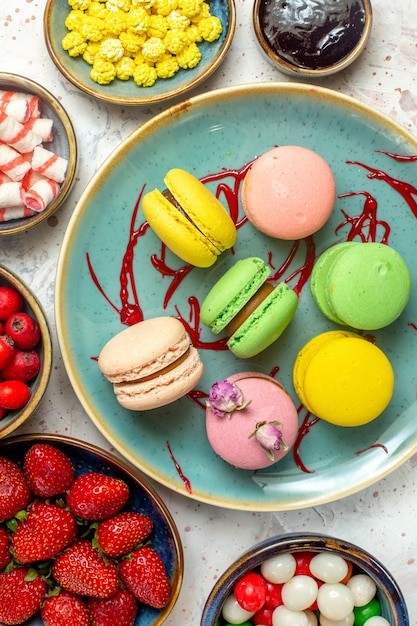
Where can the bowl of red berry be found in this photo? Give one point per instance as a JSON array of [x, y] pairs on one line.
[[82, 535], [306, 580], [25, 352]]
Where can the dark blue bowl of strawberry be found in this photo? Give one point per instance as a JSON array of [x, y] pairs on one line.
[[82, 534], [25, 352], [306, 579]]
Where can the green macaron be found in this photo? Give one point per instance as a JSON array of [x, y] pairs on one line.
[[362, 285], [253, 313]]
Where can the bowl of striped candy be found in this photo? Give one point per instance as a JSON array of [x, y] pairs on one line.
[[38, 154], [305, 580]]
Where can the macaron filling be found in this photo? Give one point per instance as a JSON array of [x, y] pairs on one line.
[[250, 307]]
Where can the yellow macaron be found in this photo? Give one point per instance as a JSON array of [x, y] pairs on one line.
[[342, 378], [189, 219]]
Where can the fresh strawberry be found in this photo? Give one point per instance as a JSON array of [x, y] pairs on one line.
[[5, 555], [21, 591], [120, 534], [23, 329], [81, 570], [45, 532], [95, 496], [65, 609], [24, 365], [14, 492], [145, 576], [120, 609], [49, 471]]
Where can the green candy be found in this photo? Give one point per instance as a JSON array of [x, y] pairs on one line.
[[363, 613]]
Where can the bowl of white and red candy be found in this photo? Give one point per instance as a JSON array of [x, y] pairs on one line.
[[306, 580], [25, 352], [84, 539]]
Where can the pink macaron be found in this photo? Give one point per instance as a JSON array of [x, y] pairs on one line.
[[289, 192], [251, 420]]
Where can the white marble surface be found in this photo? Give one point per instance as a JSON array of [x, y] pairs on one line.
[[380, 518]]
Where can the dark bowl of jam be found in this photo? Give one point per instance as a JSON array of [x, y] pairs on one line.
[[312, 38]]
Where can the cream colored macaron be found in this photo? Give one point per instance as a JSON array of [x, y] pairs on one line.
[[151, 363]]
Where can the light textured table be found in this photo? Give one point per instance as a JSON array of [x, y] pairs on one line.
[[382, 518]]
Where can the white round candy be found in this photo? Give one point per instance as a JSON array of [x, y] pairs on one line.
[[377, 620], [363, 588], [335, 601], [279, 569], [233, 612], [299, 592], [312, 618], [348, 621], [284, 617], [328, 567]]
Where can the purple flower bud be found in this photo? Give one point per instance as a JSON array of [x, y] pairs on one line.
[[224, 398], [269, 437]]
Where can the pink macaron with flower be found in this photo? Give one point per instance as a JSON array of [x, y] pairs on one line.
[[251, 420]]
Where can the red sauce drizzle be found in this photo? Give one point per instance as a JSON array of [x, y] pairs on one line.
[[375, 445], [184, 479], [365, 226]]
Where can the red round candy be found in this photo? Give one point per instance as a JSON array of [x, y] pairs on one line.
[[250, 592], [273, 595], [263, 617], [303, 560]]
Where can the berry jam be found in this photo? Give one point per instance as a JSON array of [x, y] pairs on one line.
[[312, 34]]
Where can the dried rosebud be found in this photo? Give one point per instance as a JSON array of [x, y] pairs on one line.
[[224, 398], [269, 437]]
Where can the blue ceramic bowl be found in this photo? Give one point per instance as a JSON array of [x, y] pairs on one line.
[[142, 499], [38, 385], [76, 70], [393, 606], [64, 144]]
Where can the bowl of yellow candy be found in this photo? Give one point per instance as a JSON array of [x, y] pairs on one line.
[[138, 52]]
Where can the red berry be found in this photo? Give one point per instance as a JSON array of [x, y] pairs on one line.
[[81, 570], [21, 592], [14, 492], [2, 412], [48, 471], [96, 496], [7, 350], [120, 534], [250, 591], [24, 365], [24, 330], [120, 609], [10, 302], [13, 394], [45, 532], [64, 609], [5, 555], [145, 576]]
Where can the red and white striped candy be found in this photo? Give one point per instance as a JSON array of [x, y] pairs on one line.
[[20, 106], [42, 126], [13, 163], [49, 164], [14, 213], [11, 194], [39, 191], [17, 135]]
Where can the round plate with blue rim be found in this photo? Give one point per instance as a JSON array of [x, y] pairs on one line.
[[165, 538], [113, 269], [127, 92]]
